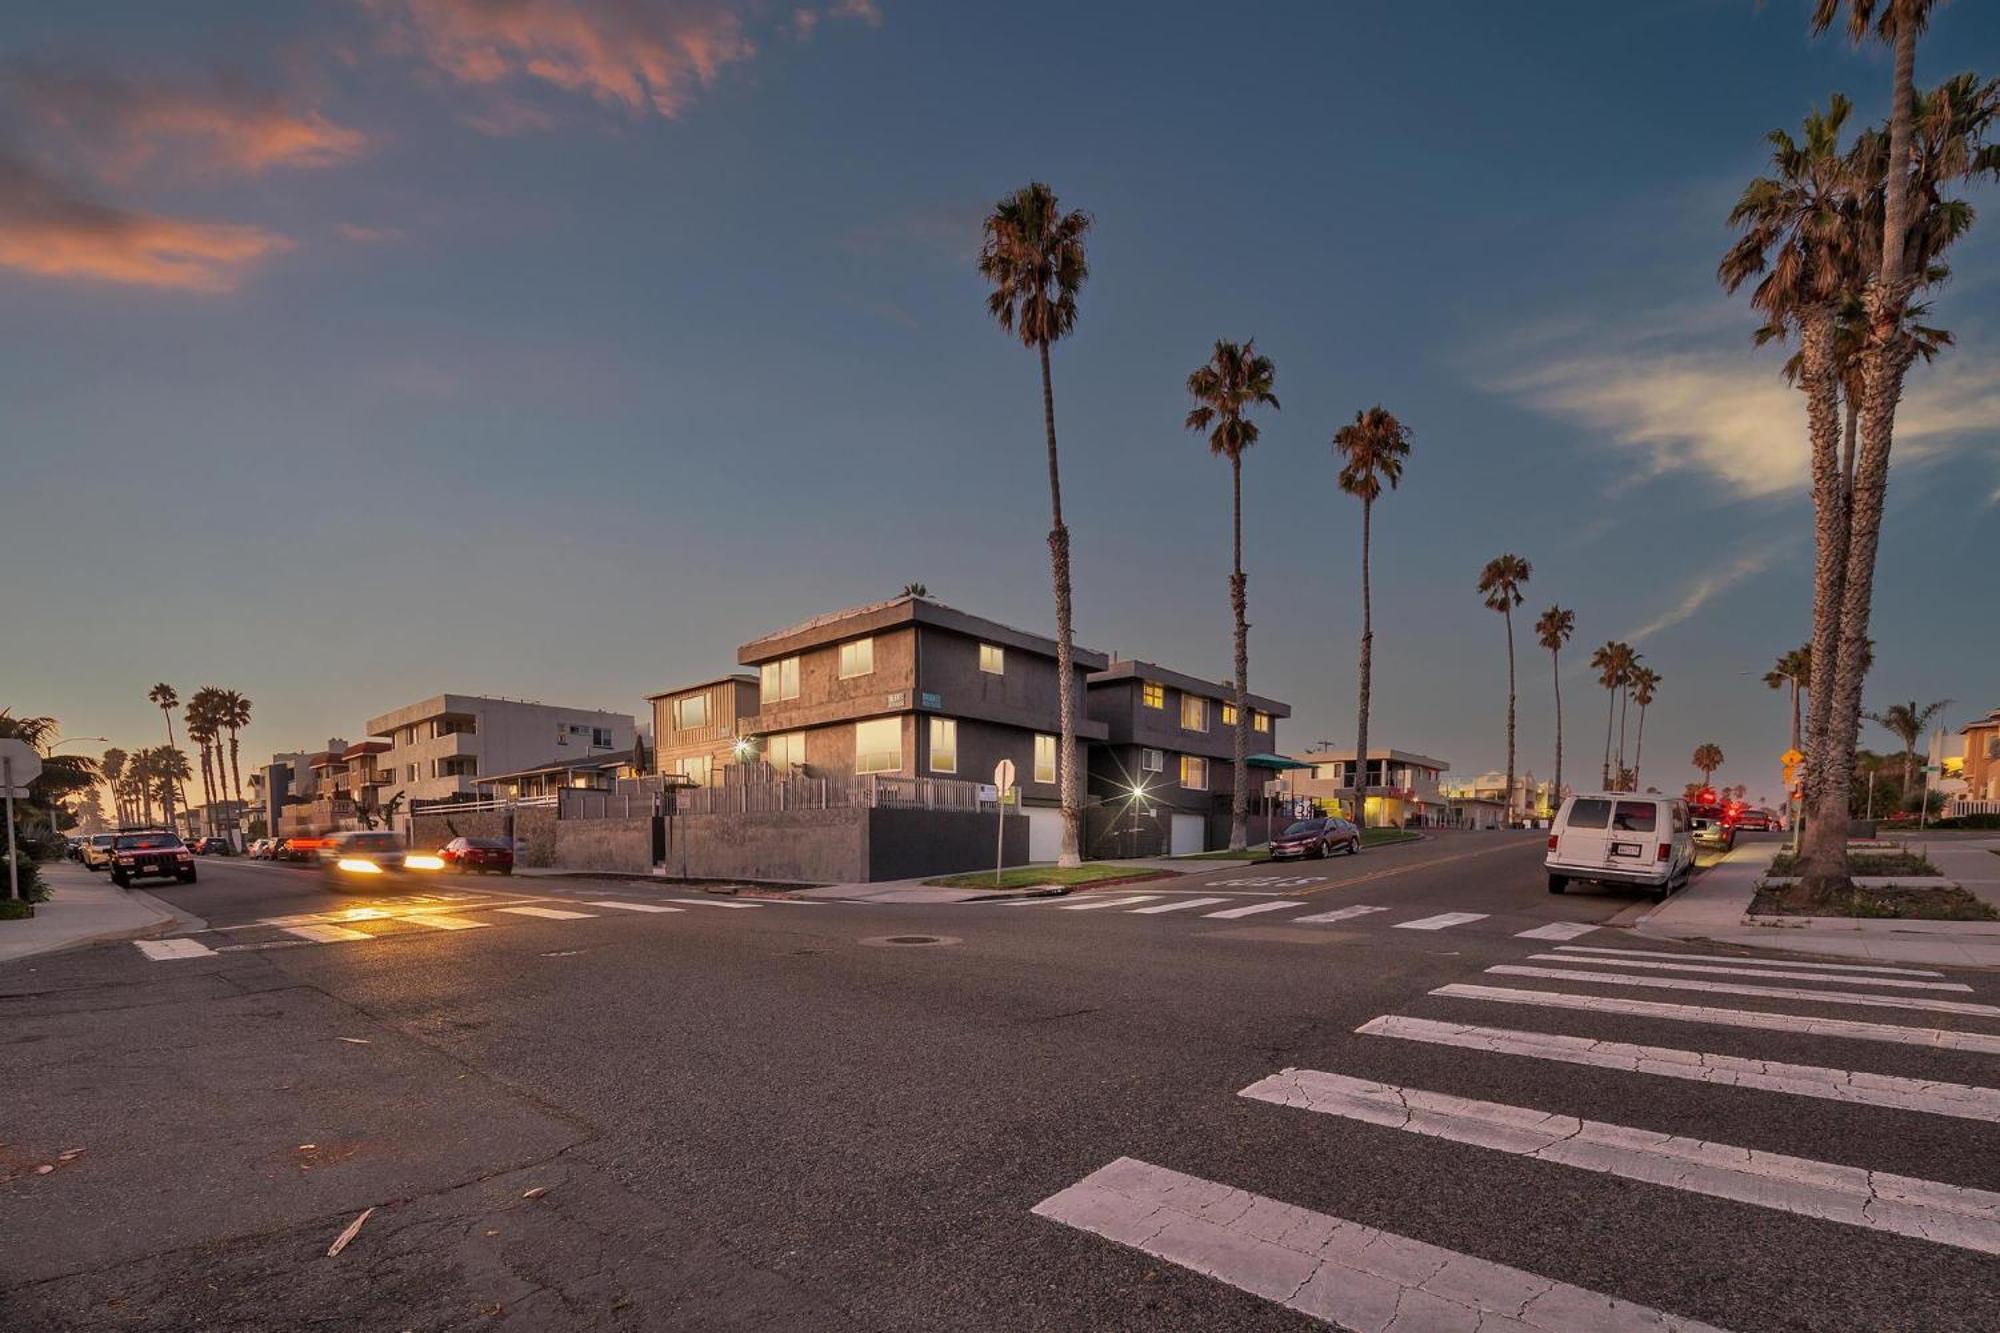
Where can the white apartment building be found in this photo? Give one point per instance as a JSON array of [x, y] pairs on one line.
[[1404, 787], [440, 746]]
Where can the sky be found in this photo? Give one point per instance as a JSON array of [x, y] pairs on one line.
[[355, 352]]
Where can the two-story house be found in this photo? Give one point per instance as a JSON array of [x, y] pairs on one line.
[[697, 732], [440, 746], [1404, 787], [914, 688], [1172, 737]]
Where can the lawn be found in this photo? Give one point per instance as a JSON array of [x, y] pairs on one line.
[[1900, 902], [1030, 877], [1874, 865], [1370, 837]]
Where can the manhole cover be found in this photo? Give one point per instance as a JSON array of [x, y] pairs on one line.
[[911, 941]]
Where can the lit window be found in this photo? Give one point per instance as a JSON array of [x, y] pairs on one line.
[[1260, 721], [857, 658], [1153, 694], [1045, 759], [691, 712], [1194, 713], [779, 680], [1194, 773], [786, 752], [992, 659], [1229, 715], [878, 745], [1152, 761], [697, 769], [944, 745]]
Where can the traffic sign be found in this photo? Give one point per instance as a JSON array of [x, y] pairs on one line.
[[1003, 774], [19, 764], [1790, 757]]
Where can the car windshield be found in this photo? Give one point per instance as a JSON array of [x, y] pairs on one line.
[[1303, 827], [487, 844], [372, 842], [103, 840], [146, 842]]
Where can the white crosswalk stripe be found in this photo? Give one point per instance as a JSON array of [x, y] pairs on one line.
[[1181, 906], [1444, 921], [327, 934], [1232, 913], [161, 951], [1874, 1200], [1555, 930], [712, 902], [1720, 969], [1776, 992], [1124, 901], [548, 913], [1747, 962], [1329, 1268], [1797, 1024], [629, 907], [438, 921], [1933, 1097], [1339, 914]]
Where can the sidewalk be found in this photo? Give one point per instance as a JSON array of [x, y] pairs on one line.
[[1715, 907], [85, 909]]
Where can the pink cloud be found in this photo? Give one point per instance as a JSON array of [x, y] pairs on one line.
[[866, 11]]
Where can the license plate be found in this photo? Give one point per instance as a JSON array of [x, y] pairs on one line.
[[1627, 849]]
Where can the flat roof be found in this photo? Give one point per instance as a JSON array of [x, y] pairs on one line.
[[857, 621], [1134, 669], [1394, 756], [740, 677]]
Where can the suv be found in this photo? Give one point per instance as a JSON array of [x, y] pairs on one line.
[[97, 850], [150, 855]]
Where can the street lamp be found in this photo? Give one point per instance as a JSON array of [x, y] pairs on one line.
[[1792, 805], [55, 809]]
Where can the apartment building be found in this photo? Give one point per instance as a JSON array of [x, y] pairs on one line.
[[915, 688], [698, 729], [1404, 787], [438, 747], [1970, 763], [1172, 737]]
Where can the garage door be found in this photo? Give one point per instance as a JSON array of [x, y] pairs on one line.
[[1188, 834], [1044, 832]]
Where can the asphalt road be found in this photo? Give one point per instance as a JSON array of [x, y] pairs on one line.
[[767, 1116]]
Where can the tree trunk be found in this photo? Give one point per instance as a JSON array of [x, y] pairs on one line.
[[235, 772], [1066, 775], [1830, 523], [1624, 702], [167, 797], [1639, 747], [1239, 793], [1507, 799], [1555, 667], [1848, 435], [1360, 769], [1909, 765], [1610, 712]]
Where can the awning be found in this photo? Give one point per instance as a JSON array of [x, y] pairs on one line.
[[1273, 761]]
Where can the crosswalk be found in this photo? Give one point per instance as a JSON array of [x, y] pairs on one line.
[[1301, 912], [1360, 1277]]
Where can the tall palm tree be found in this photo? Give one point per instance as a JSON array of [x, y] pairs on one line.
[[170, 770], [1908, 723], [1612, 662], [1645, 684], [1794, 669], [202, 731], [139, 771], [166, 699], [1708, 758], [1500, 585], [1372, 452], [233, 712], [1627, 678], [1032, 253], [1552, 631], [112, 765], [1235, 379]]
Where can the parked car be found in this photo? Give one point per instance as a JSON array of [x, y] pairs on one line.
[[1754, 821], [150, 856], [1712, 831], [484, 856], [97, 850], [1621, 838], [1316, 837], [373, 861], [260, 850], [212, 847]]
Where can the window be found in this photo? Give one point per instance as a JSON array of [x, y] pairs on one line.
[[779, 680], [857, 658], [1194, 773], [1260, 721], [944, 745], [696, 768], [1045, 759], [992, 659], [1588, 814], [787, 751], [600, 738], [878, 745], [1194, 713], [409, 772], [1152, 761], [1153, 694], [1229, 715], [691, 712], [1636, 817]]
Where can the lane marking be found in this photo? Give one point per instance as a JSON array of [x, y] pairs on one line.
[[712, 902], [1231, 913], [1717, 969], [1327, 1267], [1799, 1024], [629, 907], [439, 921], [1177, 907], [326, 934], [1109, 902], [1338, 914], [161, 951], [1962, 1100], [1388, 871], [1749, 962], [1929, 1210], [1778, 992], [548, 913], [1556, 930], [1442, 922]]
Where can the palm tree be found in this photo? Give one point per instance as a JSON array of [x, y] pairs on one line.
[[1793, 669], [1032, 253], [1500, 584], [170, 770], [233, 712], [202, 731], [1708, 758], [1552, 631], [1373, 450], [1645, 682], [139, 772], [1630, 674], [166, 700], [1908, 723], [911, 590], [113, 768], [1234, 380], [1612, 663]]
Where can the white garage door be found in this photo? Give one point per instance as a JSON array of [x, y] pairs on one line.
[[1044, 833], [1188, 834]]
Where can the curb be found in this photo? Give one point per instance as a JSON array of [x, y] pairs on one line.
[[1039, 891], [167, 924]]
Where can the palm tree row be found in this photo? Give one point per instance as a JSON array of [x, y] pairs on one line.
[[213, 713]]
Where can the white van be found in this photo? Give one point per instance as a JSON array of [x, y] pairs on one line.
[[1621, 838]]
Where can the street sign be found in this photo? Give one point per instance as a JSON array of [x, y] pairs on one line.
[[1790, 757], [22, 765], [1003, 774]]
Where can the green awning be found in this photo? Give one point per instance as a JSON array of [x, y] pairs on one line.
[[1276, 761]]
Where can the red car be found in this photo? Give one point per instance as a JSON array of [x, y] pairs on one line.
[[484, 855]]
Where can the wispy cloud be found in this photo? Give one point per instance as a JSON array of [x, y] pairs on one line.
[[1709, 585], [362, 235], [947, 230], [50, 231], [866, 11]]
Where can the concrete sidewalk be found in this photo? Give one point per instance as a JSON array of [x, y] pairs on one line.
[[86, 909], [1716, 907]]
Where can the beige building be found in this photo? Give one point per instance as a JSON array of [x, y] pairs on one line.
[[438, 748], [1404, 787], [698, 729]]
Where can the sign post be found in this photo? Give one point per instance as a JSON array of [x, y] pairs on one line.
[[1003, 782], [1791, 759], [19, 765]]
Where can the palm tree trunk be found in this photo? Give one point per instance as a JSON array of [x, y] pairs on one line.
[[1066, 774], [167, 797], [1239, 796], [1610, 712], [1848, 436], [1360, 769], [1624, 702], [1639, 747], [1830, 524], [1555, 670], [236, 774], [1909, 764], [1507, 799]]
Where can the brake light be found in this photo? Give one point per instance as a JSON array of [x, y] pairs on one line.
[[1664, 849], [1552, 842]]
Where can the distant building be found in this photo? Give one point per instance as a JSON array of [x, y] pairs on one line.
[[1529, 800], [1971, 775], [590, 773], [1405, 788], [437, 748]]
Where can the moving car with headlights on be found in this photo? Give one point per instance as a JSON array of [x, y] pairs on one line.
[[1621, 838], [1316, 837], [150, 855], [483, 855], [371, 862]]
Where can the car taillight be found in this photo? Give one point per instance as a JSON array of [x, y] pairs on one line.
[[1664, 849], [1552, 842]]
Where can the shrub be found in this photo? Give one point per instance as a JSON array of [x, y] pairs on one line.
[[32, 887]]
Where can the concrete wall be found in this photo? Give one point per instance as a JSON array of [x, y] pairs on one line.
[[903, 844], [624, 845], [809, 846], [534, 831]]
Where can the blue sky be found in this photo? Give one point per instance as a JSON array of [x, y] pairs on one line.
[[358, 352]]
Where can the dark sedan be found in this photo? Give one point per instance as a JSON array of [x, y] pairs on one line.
[[1316, 837], [486, 856]]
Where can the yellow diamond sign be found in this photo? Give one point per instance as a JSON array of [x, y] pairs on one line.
[[1790, 757]]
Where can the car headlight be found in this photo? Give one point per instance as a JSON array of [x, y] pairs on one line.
[[353, 866], [424, 862]]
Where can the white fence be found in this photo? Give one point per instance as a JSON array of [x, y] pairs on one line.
[[1962, 806], [874, 791]]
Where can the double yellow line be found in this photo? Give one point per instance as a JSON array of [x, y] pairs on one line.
[[1405, 868]]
